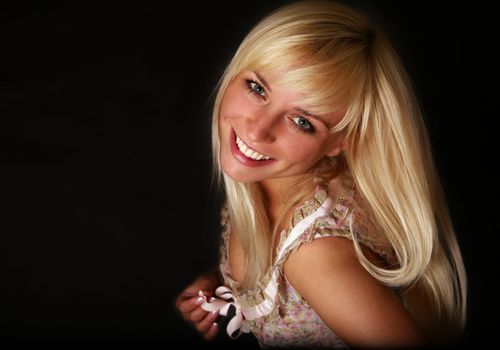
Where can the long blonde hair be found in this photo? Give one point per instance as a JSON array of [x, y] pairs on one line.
[[334, 51]]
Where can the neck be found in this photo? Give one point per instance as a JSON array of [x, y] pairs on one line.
[[276, 193]]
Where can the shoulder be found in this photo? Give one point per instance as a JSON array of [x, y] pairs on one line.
[[359, 309], [339, 248], [334, 252]]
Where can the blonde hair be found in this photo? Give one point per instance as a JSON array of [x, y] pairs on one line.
[[334, 51]]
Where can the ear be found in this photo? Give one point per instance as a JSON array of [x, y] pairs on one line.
[[336, 149]]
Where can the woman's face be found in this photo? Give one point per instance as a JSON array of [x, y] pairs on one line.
[[265, 133]]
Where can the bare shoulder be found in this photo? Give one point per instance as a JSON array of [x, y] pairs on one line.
[[358, 308]]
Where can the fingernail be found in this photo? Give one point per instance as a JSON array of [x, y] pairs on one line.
[[200, 300], [211, 299], [215, 324], [200, 293]]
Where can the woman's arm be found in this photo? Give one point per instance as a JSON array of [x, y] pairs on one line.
[[358, 308]]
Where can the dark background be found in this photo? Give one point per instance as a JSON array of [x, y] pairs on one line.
[[107, 210]]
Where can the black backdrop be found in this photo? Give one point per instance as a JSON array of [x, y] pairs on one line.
[[107, 211]]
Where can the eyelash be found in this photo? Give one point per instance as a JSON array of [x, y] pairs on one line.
[[304, 131], [251, 91]]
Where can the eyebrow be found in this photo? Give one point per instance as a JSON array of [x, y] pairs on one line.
[[263, 81], [308, 114]]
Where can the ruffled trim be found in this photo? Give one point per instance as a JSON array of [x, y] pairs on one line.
[[346, 214], [335, 220], [256, 295]]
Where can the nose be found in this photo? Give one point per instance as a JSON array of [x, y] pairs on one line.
[[261, 127]]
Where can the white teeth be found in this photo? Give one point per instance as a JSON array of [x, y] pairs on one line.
[[248, 152]]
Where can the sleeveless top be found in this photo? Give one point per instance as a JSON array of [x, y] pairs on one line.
[[273, 310]]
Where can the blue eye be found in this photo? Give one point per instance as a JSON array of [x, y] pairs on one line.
[[302, 124], [255, 88]]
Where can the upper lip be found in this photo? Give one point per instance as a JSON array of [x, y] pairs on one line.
[[250, 147]]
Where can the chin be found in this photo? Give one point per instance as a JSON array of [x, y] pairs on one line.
[[237, 172], [239, 176]]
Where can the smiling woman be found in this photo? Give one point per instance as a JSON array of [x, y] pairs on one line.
[[255, 121], [335, 228]]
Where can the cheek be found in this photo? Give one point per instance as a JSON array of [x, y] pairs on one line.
[[303, 151], [228, 104], [233, 104]]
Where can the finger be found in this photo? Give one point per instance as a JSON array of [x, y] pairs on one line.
[[212, 331], [204, 325], [189, 305], [198, 314], [187, 294]]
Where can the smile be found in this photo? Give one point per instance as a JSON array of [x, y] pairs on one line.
[[246, 155], [252, 154]]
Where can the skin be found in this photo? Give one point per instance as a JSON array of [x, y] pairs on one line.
[[188, 303], [326, 272], [360, 310], [264, 117]]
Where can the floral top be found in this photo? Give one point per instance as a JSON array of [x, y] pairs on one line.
[[274, 311]]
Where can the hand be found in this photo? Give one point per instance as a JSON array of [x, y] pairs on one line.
[[189, 304]]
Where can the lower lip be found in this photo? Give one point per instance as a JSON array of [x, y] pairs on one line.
[[243, 159]]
